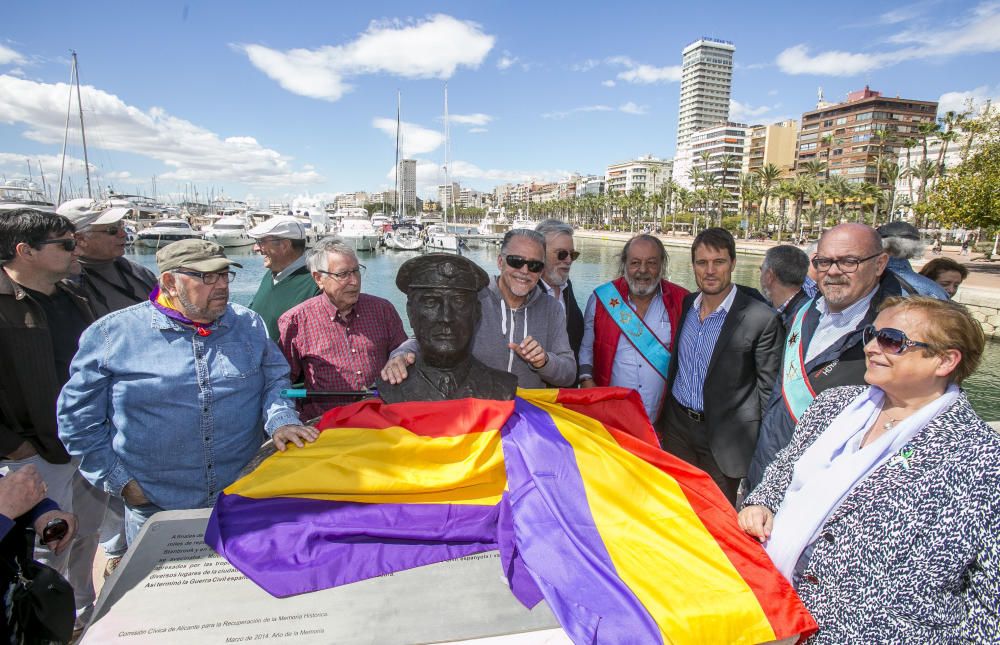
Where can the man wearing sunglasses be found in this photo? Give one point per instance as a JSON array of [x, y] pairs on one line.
[[823, 346], [559, 258], [631, 323], [168, 400], [42, 315], [339, 340], [522, 331], [108, 279]]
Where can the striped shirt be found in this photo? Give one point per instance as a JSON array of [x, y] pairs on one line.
[[834, 326], [696, 342], [329, 351]]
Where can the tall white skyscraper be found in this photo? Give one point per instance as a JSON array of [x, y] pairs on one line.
[[408, 185], [706, 85]]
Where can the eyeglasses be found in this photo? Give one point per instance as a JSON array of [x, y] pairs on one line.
[[68, 243], [562, 254], [111, 230], [890, 340], [343, 276], [211, 278], [516, 262], [846, 265]]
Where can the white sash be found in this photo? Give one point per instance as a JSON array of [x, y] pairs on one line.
[[834, 465]]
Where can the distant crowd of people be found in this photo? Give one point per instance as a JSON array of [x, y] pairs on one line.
[[826, 405]]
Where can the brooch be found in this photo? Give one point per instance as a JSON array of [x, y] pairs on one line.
[[902, 458]]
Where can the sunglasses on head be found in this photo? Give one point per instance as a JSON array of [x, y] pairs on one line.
[[562, 254], [68, 243], [892, 341], [516, 262]]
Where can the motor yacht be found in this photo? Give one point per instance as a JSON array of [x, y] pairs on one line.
[[164, 232], [230, 232]]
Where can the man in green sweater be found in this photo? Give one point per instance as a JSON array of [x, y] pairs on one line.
[[282, 242]]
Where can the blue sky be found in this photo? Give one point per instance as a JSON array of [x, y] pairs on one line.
[[271, 101]]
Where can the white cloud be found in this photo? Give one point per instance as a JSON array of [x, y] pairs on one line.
[[608, 83], [506, 61], [477, 130], [644, 74], [975, 98], [586, 65], [632, 108], [10, 57], [432, 48], [415, 139], [971, 34], [191, 152], [745, 112], [562, 114], [478, 119]]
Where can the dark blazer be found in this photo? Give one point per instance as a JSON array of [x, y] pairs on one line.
[[574, 318], [910, 555], [738, 382], [29, 384]]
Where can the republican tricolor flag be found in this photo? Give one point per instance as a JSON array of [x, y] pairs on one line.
[[625, 542]]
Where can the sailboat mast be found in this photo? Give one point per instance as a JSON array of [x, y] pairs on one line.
[[448, 197], [399, 182], [69, 108], [83, 134]]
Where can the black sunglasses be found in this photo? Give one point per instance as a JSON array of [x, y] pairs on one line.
[[68, 243], [890, 340], [516, 262], [562, 254]]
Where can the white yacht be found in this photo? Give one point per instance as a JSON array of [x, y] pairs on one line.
[[403, 238], [23, 194], [230, 232], [164, 232], [359, 233], [439, 238], [524, 223]]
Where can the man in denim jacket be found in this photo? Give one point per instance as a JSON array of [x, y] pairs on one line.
[[169, 399]]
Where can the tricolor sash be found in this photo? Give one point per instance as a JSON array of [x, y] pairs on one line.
[[795, 387], [634, 328]]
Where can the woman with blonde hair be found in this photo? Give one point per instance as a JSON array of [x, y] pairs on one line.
[[884, 510]]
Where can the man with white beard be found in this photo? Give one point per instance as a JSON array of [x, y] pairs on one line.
[[646, 307], [559, 258]]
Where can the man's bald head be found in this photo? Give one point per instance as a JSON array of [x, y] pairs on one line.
[[846, 245]]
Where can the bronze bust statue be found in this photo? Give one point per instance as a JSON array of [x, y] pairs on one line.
[[443, 307]]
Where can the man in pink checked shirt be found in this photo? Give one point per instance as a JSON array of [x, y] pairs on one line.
[[339, 340]]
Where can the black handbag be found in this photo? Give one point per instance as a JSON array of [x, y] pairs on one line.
[[40, 603]]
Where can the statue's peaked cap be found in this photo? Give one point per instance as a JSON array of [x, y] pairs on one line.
[[441, 270]]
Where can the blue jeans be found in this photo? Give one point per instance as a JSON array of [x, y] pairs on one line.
[[135, 517]]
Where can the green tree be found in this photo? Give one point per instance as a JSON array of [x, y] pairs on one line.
[[968, 195], [768, 175], [726, 163]]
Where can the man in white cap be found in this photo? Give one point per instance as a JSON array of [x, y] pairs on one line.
[[108, 279], [282, 242]]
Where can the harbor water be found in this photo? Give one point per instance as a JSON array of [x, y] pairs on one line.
[[598, 263]]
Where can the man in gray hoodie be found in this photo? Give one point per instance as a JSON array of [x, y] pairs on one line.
[[522, 331]]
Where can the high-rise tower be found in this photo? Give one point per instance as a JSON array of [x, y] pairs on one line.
[[706, 83], [408, 185]]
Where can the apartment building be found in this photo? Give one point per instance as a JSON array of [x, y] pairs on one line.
[[706, 85], [772, 144], [646, 173]]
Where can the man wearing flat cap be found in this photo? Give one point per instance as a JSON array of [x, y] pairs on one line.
[[282, 242], [167, 400], [443, 307], [902, 242]]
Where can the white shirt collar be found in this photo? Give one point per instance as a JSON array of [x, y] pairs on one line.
[[726, 305], [296, 264]]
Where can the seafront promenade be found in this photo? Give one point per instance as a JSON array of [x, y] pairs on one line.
[[980, 292]]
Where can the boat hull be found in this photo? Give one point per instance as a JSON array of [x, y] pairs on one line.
[[230, 240], [159, 241], [360, 242]]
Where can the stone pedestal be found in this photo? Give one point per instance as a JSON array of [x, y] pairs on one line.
[[172, 588]]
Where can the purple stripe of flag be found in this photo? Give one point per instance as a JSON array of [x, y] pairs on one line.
[[558, 539], [290, 545]]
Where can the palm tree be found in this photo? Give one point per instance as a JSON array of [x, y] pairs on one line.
[[890, 171], [879, 134], [768, 174], [828, 140], [926, 130], [684, 199], [817, 196], [909, 144], [798, 188], [868, 192], [749, 195], [705, 157], [726, 163], [839, 190]]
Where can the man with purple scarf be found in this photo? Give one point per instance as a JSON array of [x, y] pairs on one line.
[[169, 399]]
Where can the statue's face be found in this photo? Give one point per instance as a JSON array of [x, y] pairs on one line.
[[443, 322]]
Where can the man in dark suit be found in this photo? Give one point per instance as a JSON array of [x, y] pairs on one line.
[[727, 359], [559, 257]]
